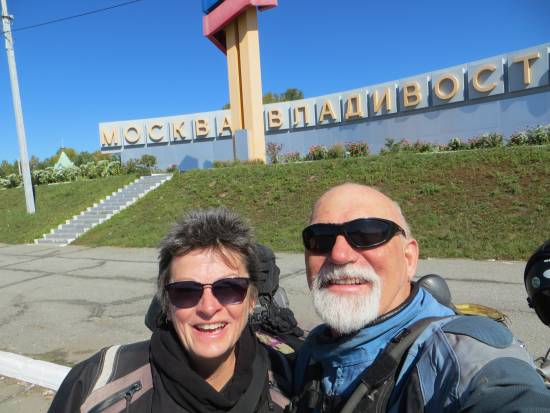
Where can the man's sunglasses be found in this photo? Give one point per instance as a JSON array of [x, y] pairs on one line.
[[359, 233], [187, 294]]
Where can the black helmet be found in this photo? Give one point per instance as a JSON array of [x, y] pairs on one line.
[[537, 281]]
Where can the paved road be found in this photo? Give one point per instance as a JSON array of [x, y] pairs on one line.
[[63, 304]]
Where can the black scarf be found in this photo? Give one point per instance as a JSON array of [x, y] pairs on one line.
[[186, 387]]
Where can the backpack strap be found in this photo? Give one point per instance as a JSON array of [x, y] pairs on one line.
[[111, 393], [375, 384], [106, 367], [377, 381]]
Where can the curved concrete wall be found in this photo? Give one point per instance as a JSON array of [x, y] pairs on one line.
[[502, 94]]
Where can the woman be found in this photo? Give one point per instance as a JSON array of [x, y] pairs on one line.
[[203, 357]]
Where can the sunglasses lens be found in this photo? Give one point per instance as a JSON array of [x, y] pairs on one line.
[[187, 294], [360, 233], [184, 294], [368, 233], [230, 290], [319, 238]]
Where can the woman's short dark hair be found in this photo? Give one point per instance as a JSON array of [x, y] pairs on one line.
[[219, 229]]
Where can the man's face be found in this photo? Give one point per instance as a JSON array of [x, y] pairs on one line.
[[390, 265]]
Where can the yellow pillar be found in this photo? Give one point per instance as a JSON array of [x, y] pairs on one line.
[[245, 80]]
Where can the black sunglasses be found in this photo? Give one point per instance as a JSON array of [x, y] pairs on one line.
[[359, 233], [187, 294]]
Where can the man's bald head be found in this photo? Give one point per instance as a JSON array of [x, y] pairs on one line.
[[357, 197]]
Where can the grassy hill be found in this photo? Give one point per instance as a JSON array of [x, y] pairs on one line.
[[54, 205], [477, 204]]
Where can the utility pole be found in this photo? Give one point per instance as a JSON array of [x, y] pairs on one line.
[[24, 163]]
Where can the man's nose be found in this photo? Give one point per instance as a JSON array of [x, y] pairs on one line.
[[342, 253], [208, 305]]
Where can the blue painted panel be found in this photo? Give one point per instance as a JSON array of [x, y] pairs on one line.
[[538, 68], [422, 83], [446, 85], [486, 78]]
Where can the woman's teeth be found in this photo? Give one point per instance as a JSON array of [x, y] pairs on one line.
[[210, 327]]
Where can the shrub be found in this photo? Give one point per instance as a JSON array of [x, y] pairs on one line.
[[89, 170], [103, 168], [456, 144], [71, 173], [404, 145], [226, 164], [172, 168], [539, 135], [487, 140], [357, 149], [291, 157], [44, 176], [10, 181], [422, 146], [336, 151], [273, 151], [391, 146], [114, 168], [133, 166], [317, 152], [518, 139]]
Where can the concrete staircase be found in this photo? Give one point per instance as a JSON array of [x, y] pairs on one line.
[[66, 233]]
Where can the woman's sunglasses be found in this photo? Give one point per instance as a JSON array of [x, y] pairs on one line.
[[359, 233], [186, 294]]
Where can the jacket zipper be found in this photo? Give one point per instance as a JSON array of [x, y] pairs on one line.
[[130, 393], [126, 393]]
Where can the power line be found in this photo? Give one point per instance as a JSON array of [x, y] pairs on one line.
[[75, 16]]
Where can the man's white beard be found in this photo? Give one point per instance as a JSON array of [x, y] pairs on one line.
[[346, 313]]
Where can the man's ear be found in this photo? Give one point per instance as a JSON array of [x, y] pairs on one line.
[[411, 256]]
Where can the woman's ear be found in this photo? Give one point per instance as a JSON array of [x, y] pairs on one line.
[[252, 304]]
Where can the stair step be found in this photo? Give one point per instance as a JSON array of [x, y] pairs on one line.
[[107, 207]]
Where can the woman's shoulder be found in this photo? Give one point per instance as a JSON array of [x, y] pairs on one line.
[[99, 371]]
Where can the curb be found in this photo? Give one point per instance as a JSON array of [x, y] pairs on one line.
[[41, 373]]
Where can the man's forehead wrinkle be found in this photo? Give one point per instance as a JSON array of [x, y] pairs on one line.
[[350, 201]]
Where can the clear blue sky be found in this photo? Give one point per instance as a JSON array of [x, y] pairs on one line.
[[150, 59]]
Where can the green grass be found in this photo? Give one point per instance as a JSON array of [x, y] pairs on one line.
[[54, 205], [474, 204]]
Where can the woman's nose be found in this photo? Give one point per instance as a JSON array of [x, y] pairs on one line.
[[208, 304]]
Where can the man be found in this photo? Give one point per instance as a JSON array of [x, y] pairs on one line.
[[360, 260]]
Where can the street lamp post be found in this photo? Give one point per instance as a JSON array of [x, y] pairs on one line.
[[27, 184]]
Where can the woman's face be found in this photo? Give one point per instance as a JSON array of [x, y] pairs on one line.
[[209, 330]]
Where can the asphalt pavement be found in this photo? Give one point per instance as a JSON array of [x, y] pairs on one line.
[[62, 304]]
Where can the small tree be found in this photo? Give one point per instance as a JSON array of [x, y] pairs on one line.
[[148, 161]]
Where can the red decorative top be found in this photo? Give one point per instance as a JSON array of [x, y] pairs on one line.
[[215, 21]]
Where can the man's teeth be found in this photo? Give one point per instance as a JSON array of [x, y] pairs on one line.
[[347, 281], [210, 327]]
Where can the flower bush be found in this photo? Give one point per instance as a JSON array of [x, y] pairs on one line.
[[317, 152], [357, 149]]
